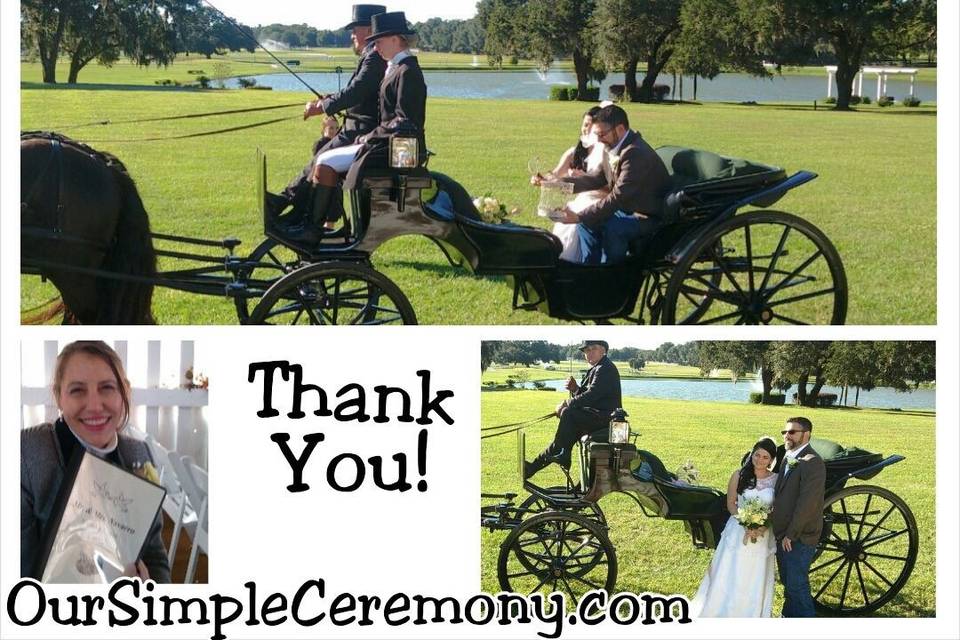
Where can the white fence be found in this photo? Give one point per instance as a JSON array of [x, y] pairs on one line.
[[162, 407]]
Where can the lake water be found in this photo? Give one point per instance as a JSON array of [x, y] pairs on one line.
[[727, 391], [532, 85]]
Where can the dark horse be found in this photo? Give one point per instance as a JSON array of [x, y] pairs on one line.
[[81, 217]]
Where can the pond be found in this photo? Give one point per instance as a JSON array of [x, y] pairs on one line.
[[534, 85], [727, 391]]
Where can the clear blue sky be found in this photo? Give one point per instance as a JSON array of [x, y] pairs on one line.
[[333, 15]]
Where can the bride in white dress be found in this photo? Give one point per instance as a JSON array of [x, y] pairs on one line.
[[588, 156], [739, 582]]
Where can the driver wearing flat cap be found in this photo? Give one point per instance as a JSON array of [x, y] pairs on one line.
[[587, 410]]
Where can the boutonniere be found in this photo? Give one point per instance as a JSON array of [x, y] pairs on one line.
[[148, 472], [614, 162], [792, 462]]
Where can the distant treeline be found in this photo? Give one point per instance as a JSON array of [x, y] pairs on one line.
[[528, 352], [298, 36], [449, 36], [810, 365]]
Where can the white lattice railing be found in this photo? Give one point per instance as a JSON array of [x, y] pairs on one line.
[[174, 416]]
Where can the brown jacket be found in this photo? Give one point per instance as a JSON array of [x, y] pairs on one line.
[[640, 183], [798, 500]]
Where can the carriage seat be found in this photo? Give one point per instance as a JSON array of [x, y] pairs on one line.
[[688, 167], [684, 500]]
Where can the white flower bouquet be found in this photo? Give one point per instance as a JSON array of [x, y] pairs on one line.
[[753, 514], [491, 210]]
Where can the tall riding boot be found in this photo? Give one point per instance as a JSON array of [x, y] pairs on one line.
[[336, 211], [551, 454], [310, 231]]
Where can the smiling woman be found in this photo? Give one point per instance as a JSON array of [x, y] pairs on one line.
[[93, 397]]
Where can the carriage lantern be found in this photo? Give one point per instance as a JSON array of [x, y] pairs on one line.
[[619, 427], [404, 152]]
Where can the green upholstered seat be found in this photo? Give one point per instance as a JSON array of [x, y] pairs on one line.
[[691, 166]]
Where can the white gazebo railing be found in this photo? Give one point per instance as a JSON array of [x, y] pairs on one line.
[[172, 416], [883, 74]]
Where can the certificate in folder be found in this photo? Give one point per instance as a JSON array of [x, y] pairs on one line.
[[105, 517]]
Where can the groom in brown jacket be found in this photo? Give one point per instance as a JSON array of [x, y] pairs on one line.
[[632, 208], [797, 517]]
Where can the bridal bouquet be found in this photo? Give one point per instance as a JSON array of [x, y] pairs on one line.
[[753, 514], [491, 210]]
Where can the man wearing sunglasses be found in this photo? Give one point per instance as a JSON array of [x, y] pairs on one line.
[[797, 517], [631, 210]]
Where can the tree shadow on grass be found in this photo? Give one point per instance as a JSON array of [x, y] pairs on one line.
[[110, 87], [442, 268], [829, 109]]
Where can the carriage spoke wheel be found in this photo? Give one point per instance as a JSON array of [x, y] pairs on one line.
[[557, 551], [334, 293], [535, 504], [268, 262], [762, 267], [866, 553]]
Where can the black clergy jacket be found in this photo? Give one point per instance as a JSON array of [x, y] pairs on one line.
[[600, 389]]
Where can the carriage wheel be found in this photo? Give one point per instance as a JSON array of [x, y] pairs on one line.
[[866, 553], [534, 504], [695, 306], [762, 267], [334, 293], [557, 551], [273, 261]]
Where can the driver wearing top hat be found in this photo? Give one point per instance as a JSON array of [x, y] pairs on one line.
[[586, 411], [402, 107], [358, 101]]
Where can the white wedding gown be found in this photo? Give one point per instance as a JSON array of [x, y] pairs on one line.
[[568, 232], [739, 582]]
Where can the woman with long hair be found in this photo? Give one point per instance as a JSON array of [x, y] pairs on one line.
[[92, 392], [739, 582]]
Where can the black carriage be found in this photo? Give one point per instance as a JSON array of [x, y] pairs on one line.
[[708, 263], [558, 536]]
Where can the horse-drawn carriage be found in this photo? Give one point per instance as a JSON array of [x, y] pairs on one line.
[[707, 264], [558, 538]]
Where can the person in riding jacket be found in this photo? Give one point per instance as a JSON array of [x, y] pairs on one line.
[[586, 411], [358, 101], [402, 100]]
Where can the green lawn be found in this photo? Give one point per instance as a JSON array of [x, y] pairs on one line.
[[499, 374], [875, 197], [657, 555]]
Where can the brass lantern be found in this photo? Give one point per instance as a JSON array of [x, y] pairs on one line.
[[404, 152], [619, 427]]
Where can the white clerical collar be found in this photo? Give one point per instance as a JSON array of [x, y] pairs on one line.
[[397, 58], [97, 451]]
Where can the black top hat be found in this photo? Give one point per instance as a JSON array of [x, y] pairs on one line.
[[362, 14], [591, 343], [389, 24]]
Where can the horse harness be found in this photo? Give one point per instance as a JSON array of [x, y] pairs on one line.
[[53, 229]]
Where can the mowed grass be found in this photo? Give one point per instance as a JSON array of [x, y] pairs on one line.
[[875, 197], [499, 374], [657, 555]]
